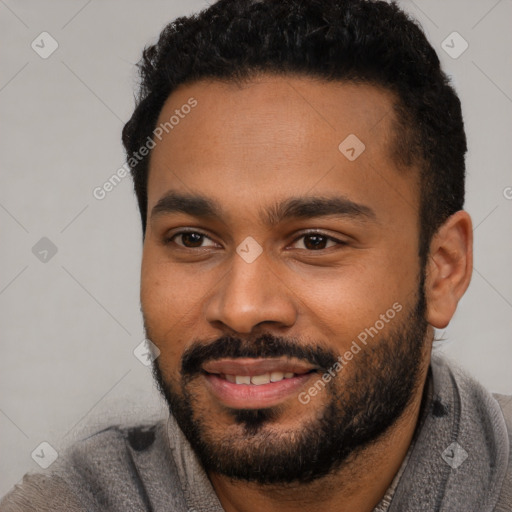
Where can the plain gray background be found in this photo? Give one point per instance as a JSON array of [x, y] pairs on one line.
[[70, 324]]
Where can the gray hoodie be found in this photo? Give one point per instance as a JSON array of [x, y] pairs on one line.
[[460, 460]]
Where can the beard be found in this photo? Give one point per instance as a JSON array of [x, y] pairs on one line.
[[359, 405]]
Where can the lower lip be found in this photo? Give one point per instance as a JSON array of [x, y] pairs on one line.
[[250, 396]]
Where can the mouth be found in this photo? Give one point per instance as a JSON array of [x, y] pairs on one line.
[[255, 383]]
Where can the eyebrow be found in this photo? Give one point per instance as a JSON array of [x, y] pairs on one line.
[[291, 208]]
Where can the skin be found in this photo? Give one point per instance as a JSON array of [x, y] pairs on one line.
[[247, 148]]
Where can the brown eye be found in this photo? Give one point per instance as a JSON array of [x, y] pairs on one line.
[[190, 239], [317, 242]]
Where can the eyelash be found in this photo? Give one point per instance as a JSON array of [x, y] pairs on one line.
[[170, 240]]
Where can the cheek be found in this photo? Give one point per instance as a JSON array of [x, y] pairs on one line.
[[162, 310], [172, 297], [155, 295], [344, 302], [344, 306], [166, 292]]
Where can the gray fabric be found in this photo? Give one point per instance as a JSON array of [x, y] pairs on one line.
[[505, 501], [153, 468], [462, 412]]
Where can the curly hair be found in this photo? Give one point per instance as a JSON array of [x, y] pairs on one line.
[[357, 41]]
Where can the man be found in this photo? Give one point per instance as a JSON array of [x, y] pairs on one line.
[[299, 168]]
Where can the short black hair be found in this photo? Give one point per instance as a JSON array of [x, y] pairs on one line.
[[358, 41]]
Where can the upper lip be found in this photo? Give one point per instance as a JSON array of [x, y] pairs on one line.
[[252, 367]]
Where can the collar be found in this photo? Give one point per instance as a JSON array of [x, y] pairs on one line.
[[459, 456]]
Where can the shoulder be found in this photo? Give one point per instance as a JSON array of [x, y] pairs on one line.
[[505, 402], [95, 472], [505, 501], [113, 444], [40, 492]]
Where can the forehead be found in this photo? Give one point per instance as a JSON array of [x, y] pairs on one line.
[[298, 109], [290, 131]]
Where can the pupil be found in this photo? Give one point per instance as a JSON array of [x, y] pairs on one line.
[[192, 239], [317, 242]]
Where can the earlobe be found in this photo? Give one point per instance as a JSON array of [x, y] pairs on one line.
[[448, 268]]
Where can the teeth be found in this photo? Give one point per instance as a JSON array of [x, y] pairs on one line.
[[258, 380], [276, 376]]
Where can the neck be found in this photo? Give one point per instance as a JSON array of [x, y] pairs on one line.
[[360, 484]]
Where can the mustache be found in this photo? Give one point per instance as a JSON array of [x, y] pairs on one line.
[[265, 346]]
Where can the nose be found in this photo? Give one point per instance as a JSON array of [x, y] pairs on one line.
[[251, 294]]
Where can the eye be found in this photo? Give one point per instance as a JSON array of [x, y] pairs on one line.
[[190, 239], [313, 241], [316, 241]]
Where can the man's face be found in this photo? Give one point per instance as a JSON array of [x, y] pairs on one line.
[[270, 252]]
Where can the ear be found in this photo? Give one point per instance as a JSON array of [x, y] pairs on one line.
[[449, 268]]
